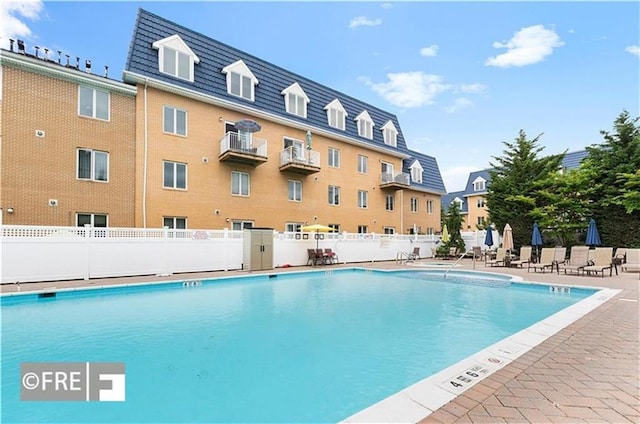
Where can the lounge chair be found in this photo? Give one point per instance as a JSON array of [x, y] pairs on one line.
[[602, 260], [476, 252], [633, 261], [560, 256], [499, 260], [525, 257], [578, 259], [620, 256], [547, 257]]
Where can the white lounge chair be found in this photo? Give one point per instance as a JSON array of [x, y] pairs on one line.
[[603, 259], [632, 263], [499, 260], [578, 259], [547, 257], [525, 257]]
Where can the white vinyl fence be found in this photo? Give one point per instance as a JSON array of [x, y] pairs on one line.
[[32, 253]]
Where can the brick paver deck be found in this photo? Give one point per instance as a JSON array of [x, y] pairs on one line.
[[587, 373]]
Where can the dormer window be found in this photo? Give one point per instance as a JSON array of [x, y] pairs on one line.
[[295, 100], [175, 58], [390, 134], [240, 80], [458, 201], [336, 114], [416, 172], [365, 125], [479, 184]]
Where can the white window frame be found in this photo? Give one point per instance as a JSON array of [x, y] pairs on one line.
[[430, 207], [334, 195], [363, 164], [92, 170], [389, 230], [480, 184], [247, 81], [389, 203], [363, 199], [334, 157], [176, 47], [174, 222], [241, 190], [416, 172], [176, 167], [175, 111], [480, 203], [296, 185], [335, 227], [293, 227], [242, 223], [298, 147], [336, 115], [390, 134], [95, 99], [93, 219], [295, 100], [365, 125], [363, 229], [414, 204]]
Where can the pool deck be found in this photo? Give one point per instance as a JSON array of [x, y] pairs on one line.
[[588, 372]]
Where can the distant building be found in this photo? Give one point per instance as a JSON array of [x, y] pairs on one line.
[[472, 200]]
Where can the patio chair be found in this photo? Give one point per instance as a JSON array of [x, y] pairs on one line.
[[560, 256], [620, 256], [311, 257], [525, 257], [633, 261], [602, 260], [330, 256], [476, 252], [500, 258], [547, 257], [578, 259], [453, 253], [321, 257], [415, 255]]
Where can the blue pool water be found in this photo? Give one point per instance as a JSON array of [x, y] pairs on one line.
[[301, 347]]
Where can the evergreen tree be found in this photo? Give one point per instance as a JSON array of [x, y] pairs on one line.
[[453, 221], [515, 179], [613, 168]]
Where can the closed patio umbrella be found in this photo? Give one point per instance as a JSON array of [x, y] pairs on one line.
[[445, 234], [488, 238], [593, 237], [507, 238], [536, 238]]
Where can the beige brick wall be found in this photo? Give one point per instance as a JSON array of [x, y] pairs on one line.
[[209, 184], [35, 169]]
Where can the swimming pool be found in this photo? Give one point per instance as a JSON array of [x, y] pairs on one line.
[[294, 347]]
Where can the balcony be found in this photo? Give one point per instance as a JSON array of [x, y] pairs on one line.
[[394, 181], [299, 161], [244, 149]]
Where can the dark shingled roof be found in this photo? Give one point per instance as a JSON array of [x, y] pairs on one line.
[[142, 59], [572, 160], [448, 198]]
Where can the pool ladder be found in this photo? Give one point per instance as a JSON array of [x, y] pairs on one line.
[[459, 259]]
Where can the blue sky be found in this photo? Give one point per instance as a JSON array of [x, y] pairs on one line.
[[462, 77]]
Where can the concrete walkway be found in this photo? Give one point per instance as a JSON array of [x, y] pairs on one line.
[[588, 372]]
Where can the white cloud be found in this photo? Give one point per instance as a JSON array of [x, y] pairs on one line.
[[12, 16], [459, 104], [386, 5], [474, 88], [430, 51], [455, 177], [409, 89], [633, 50], [528, 46], [364, 21]]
